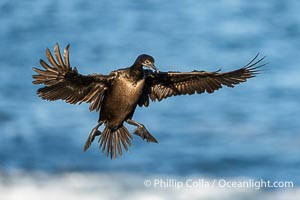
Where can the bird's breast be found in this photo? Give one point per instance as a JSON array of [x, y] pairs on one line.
[[121, 100], [128, 90]]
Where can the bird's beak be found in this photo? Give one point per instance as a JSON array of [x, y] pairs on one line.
[[152, 66]]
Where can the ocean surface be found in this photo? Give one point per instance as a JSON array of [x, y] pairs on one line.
[[251, 132]]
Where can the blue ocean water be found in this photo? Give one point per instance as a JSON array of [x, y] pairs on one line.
[[250, 131]]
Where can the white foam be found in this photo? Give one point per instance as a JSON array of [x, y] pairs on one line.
[[92, 186]]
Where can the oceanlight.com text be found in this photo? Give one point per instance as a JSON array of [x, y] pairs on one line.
[[220, 183]]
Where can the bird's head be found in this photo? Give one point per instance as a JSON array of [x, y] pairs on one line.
[[146, 61]]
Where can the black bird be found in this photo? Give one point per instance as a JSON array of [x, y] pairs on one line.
[[116, 95]]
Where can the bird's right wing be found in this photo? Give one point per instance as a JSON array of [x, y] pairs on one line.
[[64, 82]]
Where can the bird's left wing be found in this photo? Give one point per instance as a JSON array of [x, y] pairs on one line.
[[64, 82], [160, 85]]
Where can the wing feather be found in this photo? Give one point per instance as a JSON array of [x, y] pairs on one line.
[[58, 56], [64, 82], [66, 57], [51, 59]]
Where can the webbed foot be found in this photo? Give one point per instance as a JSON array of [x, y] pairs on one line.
[[95, 132], [144, 134]]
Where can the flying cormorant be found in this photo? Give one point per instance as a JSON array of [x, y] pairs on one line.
[[116, 95]]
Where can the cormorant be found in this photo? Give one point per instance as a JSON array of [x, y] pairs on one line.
[[117, 94]]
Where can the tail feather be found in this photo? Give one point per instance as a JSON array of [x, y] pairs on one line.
[[112, 141]]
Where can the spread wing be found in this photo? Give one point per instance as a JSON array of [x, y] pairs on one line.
[[166, 84], [64, 82]]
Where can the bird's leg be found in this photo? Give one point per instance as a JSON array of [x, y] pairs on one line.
[[95, 132], [141, 131]]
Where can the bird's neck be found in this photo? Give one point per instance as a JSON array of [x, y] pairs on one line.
[[136, 71]]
